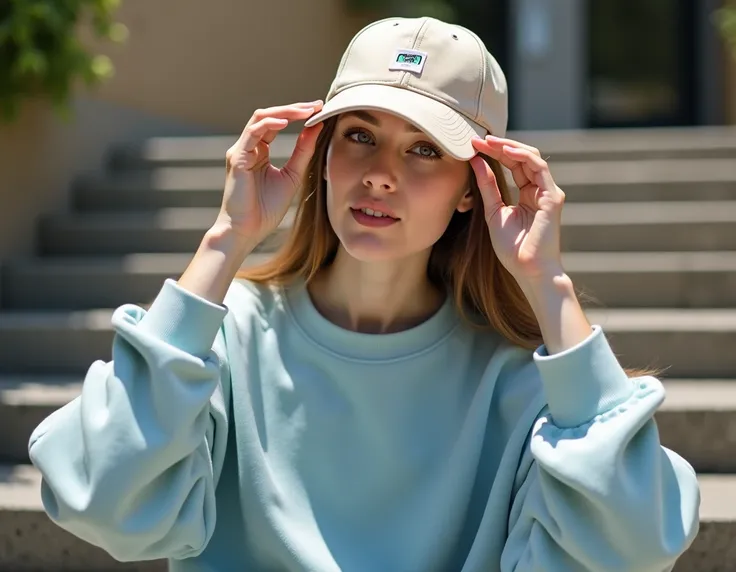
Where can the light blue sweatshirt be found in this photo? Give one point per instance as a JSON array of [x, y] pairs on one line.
[[258, 436]]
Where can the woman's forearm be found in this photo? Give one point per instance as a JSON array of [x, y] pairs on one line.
[[558, 311], [217, 260]]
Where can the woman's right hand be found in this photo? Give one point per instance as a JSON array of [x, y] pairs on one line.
[[257, 195]]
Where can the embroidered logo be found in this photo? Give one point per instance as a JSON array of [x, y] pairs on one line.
[[408, 60]]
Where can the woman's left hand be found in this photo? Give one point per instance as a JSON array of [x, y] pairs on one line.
[[526, 236]]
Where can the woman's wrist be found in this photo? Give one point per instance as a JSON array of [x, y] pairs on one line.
[[558, 311], [221, 237], [216, 262]]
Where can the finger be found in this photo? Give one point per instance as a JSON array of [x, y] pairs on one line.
[[297, 164], [529, 195], [534, 165], [501, 141], [489, 191], [254, 134], [496, 152], [314, 107], [489, 143], [269, 137], [292, 114], [285, 111], [521, 177], [295, 112]]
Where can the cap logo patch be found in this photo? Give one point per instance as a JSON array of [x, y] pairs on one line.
[[408, 60]]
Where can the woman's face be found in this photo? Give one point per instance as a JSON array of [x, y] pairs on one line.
[[376, 161]]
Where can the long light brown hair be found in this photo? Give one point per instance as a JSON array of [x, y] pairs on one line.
[[462, 262]]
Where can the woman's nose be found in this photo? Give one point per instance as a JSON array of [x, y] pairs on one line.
[[381, 175]]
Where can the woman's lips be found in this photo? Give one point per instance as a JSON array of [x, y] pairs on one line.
[[372, 221]]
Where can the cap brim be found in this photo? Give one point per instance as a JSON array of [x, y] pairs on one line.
[[448, 128]]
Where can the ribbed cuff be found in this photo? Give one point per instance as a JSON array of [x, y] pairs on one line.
[[183, 319], [583, 381]]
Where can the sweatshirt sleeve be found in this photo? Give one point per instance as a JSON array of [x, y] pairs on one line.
[[596, 490], [130, 464]]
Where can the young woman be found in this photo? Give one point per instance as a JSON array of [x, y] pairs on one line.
[[370, 399]]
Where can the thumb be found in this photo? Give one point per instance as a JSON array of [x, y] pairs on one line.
[[489, 191], [303, 151]]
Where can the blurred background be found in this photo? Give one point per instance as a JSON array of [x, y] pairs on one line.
[[202, 68], [114, 121]]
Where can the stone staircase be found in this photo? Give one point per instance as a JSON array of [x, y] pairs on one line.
[[649, 238]]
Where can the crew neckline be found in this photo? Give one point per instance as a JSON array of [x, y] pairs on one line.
[[363, 346]]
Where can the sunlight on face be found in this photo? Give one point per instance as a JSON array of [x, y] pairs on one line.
[[378, 161]]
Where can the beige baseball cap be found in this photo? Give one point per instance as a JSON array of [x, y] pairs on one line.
[[438, 76]]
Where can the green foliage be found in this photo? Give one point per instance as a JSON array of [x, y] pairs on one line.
[[41, 54], [726, 20]]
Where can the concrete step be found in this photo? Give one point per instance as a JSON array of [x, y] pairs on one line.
[[31, 542], [166, 230], [654, 279], [35, 543], [189, 151], [713, 549], [634, 144], [607, 227], [25, 401], [98, 197], [85, 283], [604, 144], [579, 179], [698, 418], [611, 279], [104, 197], [649, 226], [689, 342], [51, 342]]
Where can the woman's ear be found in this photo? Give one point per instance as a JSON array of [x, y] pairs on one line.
[[466, 202]]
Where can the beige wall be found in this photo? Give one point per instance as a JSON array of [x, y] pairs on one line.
[[40, 155], [189, 67], [214, 62]]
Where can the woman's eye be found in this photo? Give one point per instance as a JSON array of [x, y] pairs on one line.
[[360, 137], [426, 151]]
